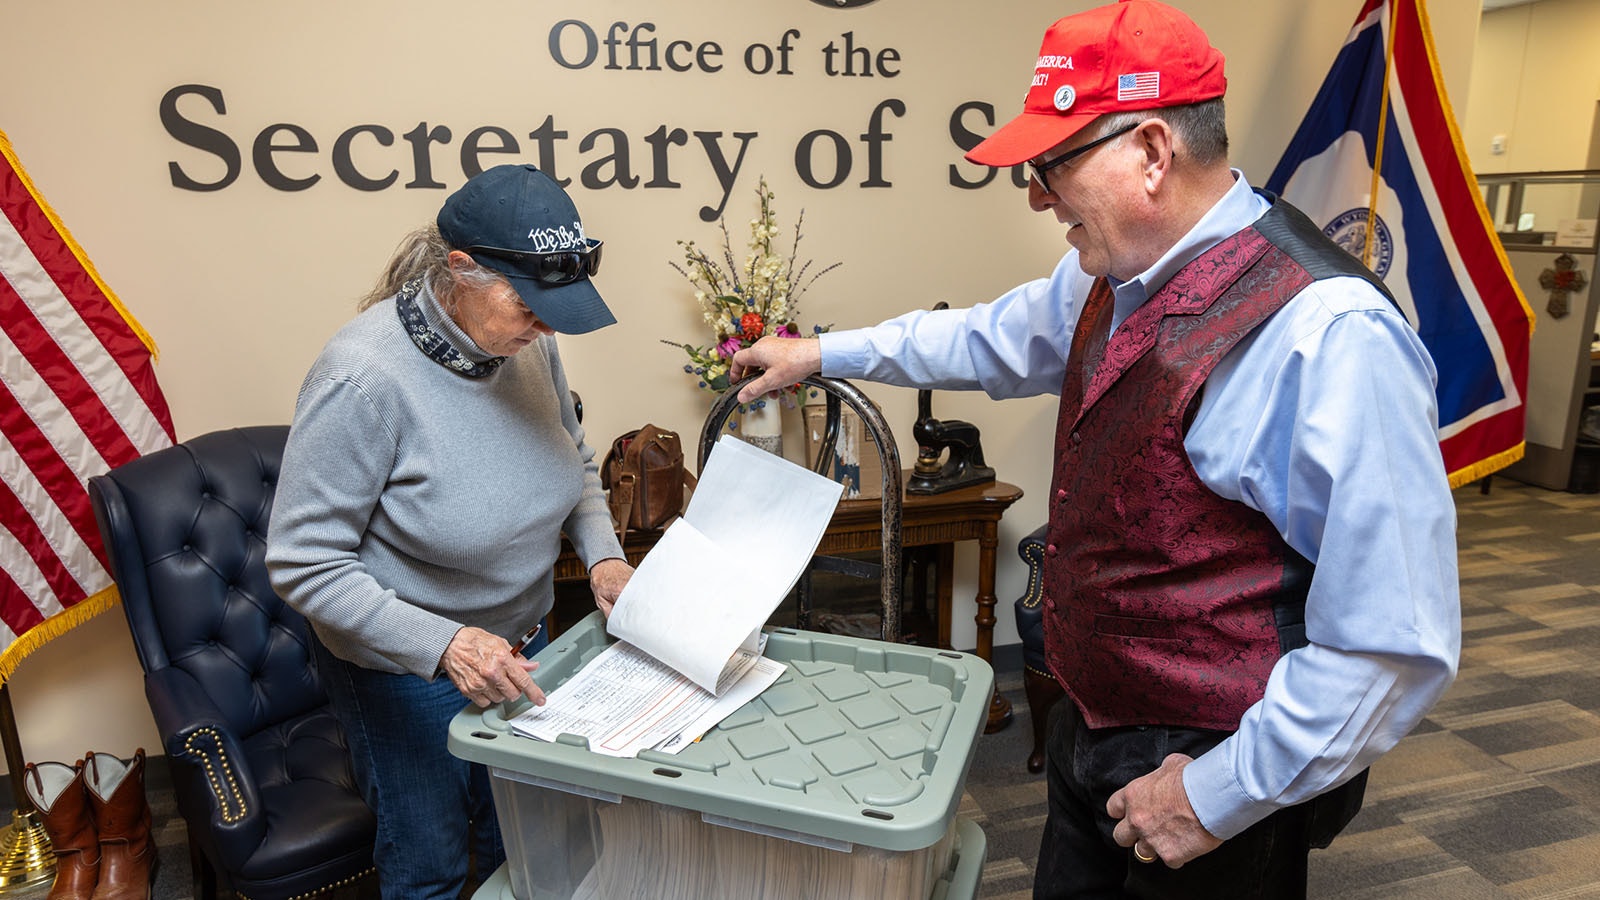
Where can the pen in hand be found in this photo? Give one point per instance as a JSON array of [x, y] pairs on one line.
[[531, 633]]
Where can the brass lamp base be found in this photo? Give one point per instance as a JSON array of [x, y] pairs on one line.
[[26, 857]]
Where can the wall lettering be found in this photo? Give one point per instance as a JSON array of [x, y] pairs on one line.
[[965, 139], [286, 156], [853, 60], [370, 156], [574, 45]]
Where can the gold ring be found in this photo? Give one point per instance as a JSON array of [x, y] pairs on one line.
[[1141, 857]]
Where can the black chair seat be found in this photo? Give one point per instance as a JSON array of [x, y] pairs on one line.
[[315, 817]]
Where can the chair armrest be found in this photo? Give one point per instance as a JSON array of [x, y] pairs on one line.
[[195, 733], [1029, 608], [1031, 549]]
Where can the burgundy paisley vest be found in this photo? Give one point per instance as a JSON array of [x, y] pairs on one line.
[[1166, 603]]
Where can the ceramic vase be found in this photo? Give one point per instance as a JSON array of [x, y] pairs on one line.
[[761, 424]]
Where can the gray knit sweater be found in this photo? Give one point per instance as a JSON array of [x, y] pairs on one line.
[[415, 500]]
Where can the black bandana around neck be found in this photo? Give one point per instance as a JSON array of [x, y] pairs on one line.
[[431, 342]]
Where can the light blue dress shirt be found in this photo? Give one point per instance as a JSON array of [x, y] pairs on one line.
[[1324, 420]]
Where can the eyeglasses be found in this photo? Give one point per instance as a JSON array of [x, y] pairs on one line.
[[548, 267], [1038, 170]]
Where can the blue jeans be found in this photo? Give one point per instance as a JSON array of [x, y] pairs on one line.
[[432, 808]]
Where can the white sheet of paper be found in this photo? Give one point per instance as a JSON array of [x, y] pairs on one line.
[[689, 621], [624, 701], [760, 677], [718, 573], [670, 607]]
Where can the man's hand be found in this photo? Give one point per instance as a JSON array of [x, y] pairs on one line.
[[1157, 820], [485, 671], [784, 360], [607, 578]]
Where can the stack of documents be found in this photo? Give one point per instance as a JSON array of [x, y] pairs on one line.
[[689, 622]]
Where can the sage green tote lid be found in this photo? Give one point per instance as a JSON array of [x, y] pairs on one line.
[[859, 741]]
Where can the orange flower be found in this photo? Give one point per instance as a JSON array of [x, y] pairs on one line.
[[752, 326]]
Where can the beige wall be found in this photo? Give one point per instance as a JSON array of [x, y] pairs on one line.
[[1535, 86], [1535, 80], [241, 286]]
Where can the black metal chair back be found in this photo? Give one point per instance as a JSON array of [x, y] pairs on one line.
[[838, 392]]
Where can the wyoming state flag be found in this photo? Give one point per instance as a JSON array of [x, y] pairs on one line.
[[1379, 165]]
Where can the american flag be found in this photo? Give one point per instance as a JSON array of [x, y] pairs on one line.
[[78, 396], [1139, 86]]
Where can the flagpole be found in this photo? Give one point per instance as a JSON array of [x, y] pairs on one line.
[[26, 857], [1383, 125]]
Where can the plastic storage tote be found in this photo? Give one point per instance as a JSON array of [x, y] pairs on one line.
[[840, 780]]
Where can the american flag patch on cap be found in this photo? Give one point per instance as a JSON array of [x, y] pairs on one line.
[[1139, 86]]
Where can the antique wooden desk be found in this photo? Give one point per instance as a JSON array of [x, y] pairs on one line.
[[929, 520]]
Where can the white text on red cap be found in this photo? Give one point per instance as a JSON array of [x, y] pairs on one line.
[[1047, 64]]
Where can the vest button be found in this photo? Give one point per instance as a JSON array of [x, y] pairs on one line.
[[1061, 495], [1077, 438], [1050, 550]]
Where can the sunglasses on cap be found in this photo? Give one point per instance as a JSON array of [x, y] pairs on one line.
[[548, 267], [1038, 170]]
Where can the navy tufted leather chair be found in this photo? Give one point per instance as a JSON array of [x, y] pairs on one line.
[[1040, 686], [259, 764]]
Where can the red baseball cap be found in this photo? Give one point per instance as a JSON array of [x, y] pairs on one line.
[[1126, 56]]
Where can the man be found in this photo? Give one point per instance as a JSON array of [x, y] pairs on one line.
[[1250, 577]]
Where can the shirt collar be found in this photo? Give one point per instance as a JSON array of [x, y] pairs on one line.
[[1237, 208]]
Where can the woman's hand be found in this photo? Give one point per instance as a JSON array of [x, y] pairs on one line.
[[607, 578], [485, 671]]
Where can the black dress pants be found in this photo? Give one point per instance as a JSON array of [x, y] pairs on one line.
[[1079, 859]]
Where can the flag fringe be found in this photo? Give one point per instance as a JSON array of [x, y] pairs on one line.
[[54, 627], [1486, 467], [77, 251]]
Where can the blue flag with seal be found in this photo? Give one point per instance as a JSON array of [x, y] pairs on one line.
[[1378, 164]]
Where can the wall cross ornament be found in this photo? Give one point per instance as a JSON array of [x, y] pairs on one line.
[[1561, 281]]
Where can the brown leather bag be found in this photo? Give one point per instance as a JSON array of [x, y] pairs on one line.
[[645, 476]]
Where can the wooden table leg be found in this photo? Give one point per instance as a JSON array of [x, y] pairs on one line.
[[919, 625], [944, 579], [999, 706]]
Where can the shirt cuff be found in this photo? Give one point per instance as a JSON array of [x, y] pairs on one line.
[[1219, 802], [844, 353]]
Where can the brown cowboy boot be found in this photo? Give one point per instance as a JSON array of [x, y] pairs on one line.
[[122, 818], [57, 790]]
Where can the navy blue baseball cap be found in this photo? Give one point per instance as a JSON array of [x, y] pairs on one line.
[[517, 221]]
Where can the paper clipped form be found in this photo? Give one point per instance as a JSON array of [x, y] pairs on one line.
[[625, 701], [717, 574], [689, 621]]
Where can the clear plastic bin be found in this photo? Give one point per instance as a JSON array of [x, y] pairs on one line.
[[841, 780]]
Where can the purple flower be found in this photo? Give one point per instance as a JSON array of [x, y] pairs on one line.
[[729, 347], [788, 331]]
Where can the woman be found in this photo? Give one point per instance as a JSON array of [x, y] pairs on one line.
[[434, 462]]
